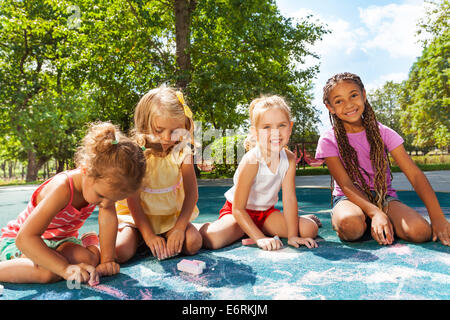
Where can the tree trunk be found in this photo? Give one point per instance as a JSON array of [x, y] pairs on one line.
[[32, 169], [10, 169], [3, 166], [60, 167], [33, 166], [183, 15], [14, 169]]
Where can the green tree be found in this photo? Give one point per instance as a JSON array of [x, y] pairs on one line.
[[241, 49], [222, 54], [124, 49], [386, 102], [35, 76], [426, 98], [65, 64]]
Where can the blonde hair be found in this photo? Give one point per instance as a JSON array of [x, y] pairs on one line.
[[108, 154], [260, 105], [161, 101]]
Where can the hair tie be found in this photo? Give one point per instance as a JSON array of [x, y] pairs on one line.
[[114, 142], [187, 110], [143, 148]]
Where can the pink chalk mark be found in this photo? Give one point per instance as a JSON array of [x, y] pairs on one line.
[[146, 294], [111, 291], [400, 249]]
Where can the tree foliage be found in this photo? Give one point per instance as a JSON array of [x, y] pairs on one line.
[[426, 98], [38, 94], [63, 64], [242, 49], [386, 102]]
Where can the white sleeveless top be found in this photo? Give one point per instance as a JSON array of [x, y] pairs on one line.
[[266, 185]]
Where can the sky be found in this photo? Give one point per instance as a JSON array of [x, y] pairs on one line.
[[373, 39]]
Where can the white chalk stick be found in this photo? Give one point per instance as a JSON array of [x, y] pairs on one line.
[[278, 238], [189, 269], [200, 263], [189, 266], [188, 262]]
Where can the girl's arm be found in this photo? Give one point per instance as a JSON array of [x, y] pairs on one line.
[[107, 221], [420, 183], [156, 244], [248, 170], [290, 206], [383, 231], [29, 239], [176, 235]]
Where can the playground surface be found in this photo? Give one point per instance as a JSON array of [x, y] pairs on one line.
[[336, 270]]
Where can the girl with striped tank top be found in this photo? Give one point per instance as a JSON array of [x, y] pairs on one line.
[[42, 244], [265, 169], [158, 216]]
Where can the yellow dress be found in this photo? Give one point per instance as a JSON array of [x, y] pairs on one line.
[[162, 196]]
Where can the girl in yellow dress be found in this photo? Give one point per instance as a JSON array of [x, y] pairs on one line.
[[160, 213]]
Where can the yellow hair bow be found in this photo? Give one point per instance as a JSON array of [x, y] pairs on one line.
[[187, 111]]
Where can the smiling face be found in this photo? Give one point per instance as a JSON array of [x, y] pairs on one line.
[[346, 101], [273, 130]]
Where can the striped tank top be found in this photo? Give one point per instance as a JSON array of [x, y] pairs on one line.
[[64, 225]]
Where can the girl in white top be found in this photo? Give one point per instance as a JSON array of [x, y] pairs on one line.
[[262, 172]]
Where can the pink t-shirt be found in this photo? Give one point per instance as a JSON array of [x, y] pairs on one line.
[[327, 147]]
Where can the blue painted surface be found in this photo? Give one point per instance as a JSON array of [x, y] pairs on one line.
[[334, 270]]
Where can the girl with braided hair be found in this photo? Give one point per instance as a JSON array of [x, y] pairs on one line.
[[356, 153]]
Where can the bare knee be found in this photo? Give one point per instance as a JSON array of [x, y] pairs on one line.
[[418, 231], [193, 242], [91, 256], [308, 228], [210, 240], [350, 228], [127, 243], [124, 252], [207, 241]]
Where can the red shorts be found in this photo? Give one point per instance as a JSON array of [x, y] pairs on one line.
[[258, 217]]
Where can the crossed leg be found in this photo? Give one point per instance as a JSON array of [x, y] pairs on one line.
[[24, 270]]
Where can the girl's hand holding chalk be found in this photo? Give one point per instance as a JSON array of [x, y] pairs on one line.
[[270, 243]]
